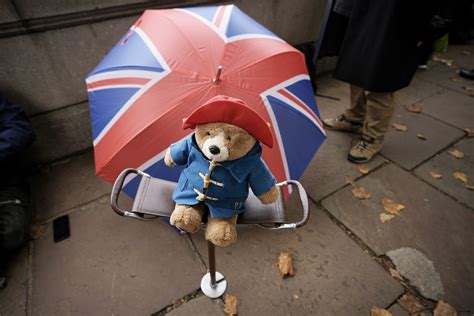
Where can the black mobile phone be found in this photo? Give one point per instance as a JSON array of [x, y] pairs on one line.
[[61, 229]]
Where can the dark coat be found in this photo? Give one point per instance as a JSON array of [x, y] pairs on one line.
[[379, 44]]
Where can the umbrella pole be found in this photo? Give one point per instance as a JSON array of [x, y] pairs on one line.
[[213, 283]]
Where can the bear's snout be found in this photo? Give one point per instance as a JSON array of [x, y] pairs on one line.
[[214, 149]]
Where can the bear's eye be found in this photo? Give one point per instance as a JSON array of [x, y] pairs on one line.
[[208, 134]]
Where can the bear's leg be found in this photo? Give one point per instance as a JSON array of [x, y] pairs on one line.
[[222, 231], [187, 217]]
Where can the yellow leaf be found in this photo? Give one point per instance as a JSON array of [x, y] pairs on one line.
[[469, 187], [456, 153], [360, 193], [394, 273], [414, 108], [391, 207], [444, 309], [363, 170], [436, 174], [230, 304], [386, 217], [469, 132], [285, 264], [410, 303], [461, 176], [376, 311], [349, 180], [421, 136], [400, 127]]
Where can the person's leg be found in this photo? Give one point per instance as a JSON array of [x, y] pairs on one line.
[[353, 117], [380, 109]]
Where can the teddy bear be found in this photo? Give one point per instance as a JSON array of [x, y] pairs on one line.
[[222, 160]]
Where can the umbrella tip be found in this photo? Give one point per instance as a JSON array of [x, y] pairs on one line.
[[217, 79]]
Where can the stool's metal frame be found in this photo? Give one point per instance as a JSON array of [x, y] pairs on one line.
[[153, 200]]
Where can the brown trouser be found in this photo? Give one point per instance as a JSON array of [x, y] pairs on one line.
[[373, 109]]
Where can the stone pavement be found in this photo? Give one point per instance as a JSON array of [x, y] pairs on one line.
[[342, 257]]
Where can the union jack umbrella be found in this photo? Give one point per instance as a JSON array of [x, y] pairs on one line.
[[172, 61]]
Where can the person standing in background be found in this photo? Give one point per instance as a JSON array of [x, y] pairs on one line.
[[379, 48]]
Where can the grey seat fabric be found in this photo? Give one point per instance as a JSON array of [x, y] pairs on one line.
[[154, 197]]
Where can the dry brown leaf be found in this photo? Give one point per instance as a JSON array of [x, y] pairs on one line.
[[469, 132], [360, 193], [37, 231], [376, 311], [461, 176], [230, 304], [409, 303], [455, 79], [467, 88], [414, 108], [469, 187], [391, 207], [421, 136], [349, 180], [418, 314], [456, 153], [363, 170], [386, 217], [436, 174], [400, 127], [444, 309], [285, 264], [466, 52], [394, 273]]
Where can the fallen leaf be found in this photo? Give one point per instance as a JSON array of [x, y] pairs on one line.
[[466, 52], [461, 176], [285, 264], [376, 311], [400, 127], [363, 170], [391, 207], [295, 296], [418, 314], [409, 303], [37, 231], [230, 304], [349, 180], [444, 309], [360, 193], [386, 217], [455, 79], [415, 107], [469, 132], [421, 136], [436, 174], [394, 273], [467, 88], [469, 187], [456, 153]]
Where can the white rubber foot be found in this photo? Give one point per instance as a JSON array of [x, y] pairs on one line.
[[218, 290]]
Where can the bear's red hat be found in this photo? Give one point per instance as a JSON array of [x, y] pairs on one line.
[[232, 111]]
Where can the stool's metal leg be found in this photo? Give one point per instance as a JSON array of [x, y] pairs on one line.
[[213, 284]]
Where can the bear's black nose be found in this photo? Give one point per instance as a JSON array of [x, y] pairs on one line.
[[214, 149]]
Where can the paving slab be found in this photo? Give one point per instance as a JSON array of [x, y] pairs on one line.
[[201, 305], [333, 276], [67, 184], [397, 310], [448, 78], [61, 133], [7, 13], [451, 107], [416, 91], [432, 223], [328, 170], [446, 165], [111, 265], [408, 150], [13, 299]]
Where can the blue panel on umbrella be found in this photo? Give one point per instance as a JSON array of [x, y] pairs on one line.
[[105, 103], [205, 12], [133, 54], [157, 170], [241, 24], [300, 137], [304, 91]]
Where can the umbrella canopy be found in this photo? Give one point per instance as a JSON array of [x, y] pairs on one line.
[[172, 61]]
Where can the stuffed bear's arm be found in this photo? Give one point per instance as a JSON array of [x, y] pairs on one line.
[[177, 153], [270, 196], [169, 160], [263, 183]]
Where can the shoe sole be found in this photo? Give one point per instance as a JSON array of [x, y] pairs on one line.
[[359, 160], [358, 132]]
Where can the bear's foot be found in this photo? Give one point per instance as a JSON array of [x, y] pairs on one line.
[[222, 231], [187, 217]]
